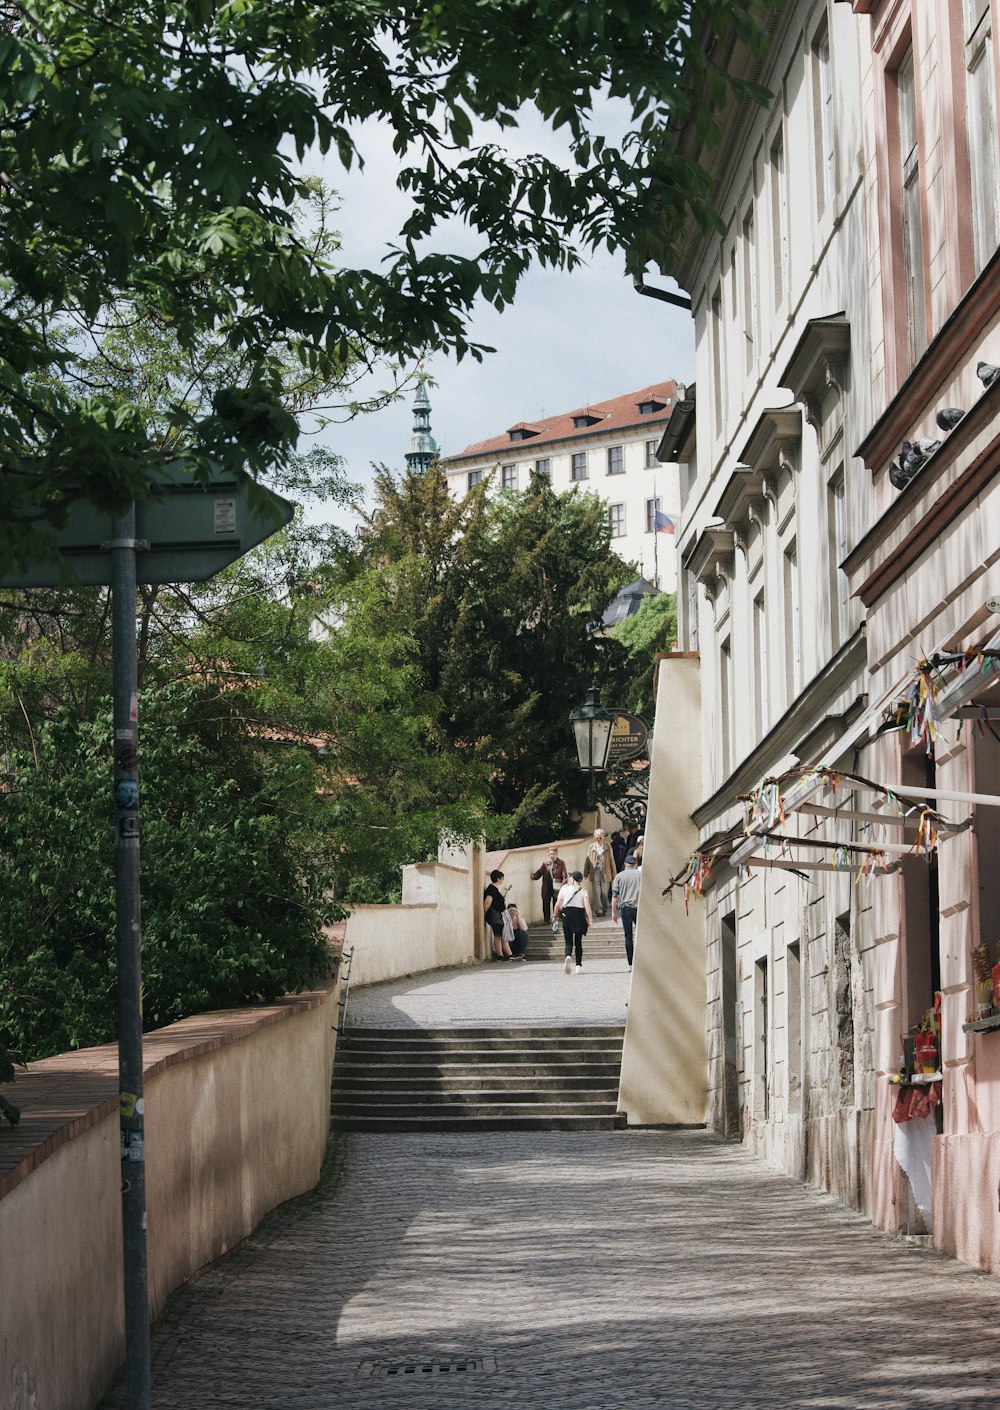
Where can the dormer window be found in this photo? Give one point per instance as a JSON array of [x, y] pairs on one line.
[[648, 407], [521, 433], [583, 419]]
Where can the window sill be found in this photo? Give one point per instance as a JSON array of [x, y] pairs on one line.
[[982, 1025]]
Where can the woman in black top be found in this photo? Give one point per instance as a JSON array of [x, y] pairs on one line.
[[493, 908]]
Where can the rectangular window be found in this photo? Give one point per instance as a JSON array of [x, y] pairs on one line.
[[761, 1005], [718, 358], [726, 705], [578, 465], [693, 637], [779, 219], [823, 129], [837, 530], [792, 643], [733, 1039], [913, 239], [760, 701], [544, 467], [508, 476], [749, 288], [793, 1025], [980, 95], [616, 460], [652, 459], [652, 505], [474, 477], [616, 516]]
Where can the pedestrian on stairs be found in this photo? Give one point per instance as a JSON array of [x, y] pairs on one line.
[[625, 901], [599, 868], [573, 904], [553, 874]]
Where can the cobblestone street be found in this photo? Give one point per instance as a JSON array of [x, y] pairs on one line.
[[581, 1271]]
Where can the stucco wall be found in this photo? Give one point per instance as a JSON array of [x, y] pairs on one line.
[[433, 928], [664, 1062], [237, 1115], [518, 864], [965, 1180]]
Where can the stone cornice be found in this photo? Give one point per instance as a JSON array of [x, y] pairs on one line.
[[712, 556], [802, 728], [954, 345], [774, 440], [942, 490], [742, 499], [820, 360]]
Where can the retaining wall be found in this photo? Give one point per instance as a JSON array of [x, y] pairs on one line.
[[237, 1117]]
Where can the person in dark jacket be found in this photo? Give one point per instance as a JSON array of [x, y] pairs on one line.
[[553, 874]]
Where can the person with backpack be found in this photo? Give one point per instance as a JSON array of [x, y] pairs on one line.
[[573, 904]]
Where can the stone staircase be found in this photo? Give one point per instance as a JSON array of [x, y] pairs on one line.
[[603, 941], [463, 1079]]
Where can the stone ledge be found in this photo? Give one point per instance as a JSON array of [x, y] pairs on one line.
[[60, 1097]]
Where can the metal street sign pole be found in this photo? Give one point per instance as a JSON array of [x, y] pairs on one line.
[[129, 937]]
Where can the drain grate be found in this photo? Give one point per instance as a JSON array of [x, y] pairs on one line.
[[420, 1369]]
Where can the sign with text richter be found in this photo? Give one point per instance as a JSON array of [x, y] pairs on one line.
[[629, 736]]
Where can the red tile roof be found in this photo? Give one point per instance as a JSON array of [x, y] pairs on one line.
[[620, 413]]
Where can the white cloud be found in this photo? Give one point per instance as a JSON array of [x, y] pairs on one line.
[[568, 339]]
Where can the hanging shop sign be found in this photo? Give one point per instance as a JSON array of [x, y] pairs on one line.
[[629, 737]]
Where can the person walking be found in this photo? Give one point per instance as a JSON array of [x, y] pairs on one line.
[[625, 901], [573, 904], [599, 868], [554, 874]]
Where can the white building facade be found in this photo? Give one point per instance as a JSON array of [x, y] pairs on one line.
[[610, 449], [773, 498]]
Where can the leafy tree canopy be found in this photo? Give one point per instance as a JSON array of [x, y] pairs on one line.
[[151, 153], [498, 595], [630, 668]]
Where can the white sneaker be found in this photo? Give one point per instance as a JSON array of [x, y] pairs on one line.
[[579, 969], [568, 966]]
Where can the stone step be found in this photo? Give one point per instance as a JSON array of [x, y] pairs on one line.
[[499, 1071], [555, 954], [399, 1037], [538, 1122], [483, 1110], [481, 1048], [516, 1043], [377, 1086], [557, 1077]]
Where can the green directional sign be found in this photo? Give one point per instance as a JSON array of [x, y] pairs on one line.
[[185, 532]]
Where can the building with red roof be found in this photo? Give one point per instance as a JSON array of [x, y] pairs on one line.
[[608, 448]]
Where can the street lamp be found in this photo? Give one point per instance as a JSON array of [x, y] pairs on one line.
[[592, 726]]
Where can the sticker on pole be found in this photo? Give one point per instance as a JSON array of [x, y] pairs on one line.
[[224, 515]]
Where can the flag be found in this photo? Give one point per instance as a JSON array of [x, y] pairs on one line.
[[665, 523]]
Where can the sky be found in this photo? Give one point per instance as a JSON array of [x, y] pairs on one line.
[[568, 339]]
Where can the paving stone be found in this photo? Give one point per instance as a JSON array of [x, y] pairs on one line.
[[588, 1270]]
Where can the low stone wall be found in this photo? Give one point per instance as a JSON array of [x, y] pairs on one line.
[[433, 928], [518, 863], [237, 1117]]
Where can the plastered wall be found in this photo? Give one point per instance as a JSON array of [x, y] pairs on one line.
[[664, 1063], [237, 1116]]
